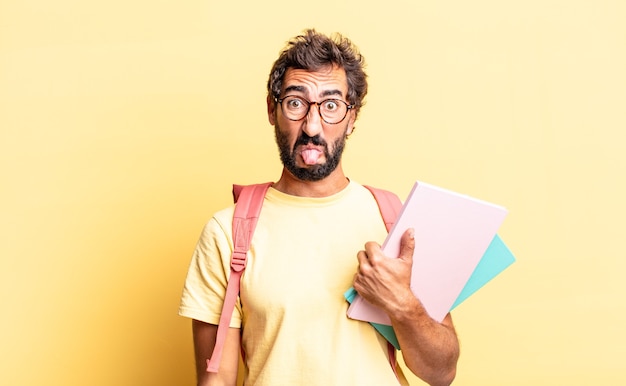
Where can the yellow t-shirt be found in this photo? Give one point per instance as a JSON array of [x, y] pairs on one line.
[[291, 309]]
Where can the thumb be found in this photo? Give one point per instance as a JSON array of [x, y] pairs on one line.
[[407, 245]]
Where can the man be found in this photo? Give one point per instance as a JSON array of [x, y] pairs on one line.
[[291, 319]]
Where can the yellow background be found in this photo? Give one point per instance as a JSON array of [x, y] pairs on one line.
[[123, 124]]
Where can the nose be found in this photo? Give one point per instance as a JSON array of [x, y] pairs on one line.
[[312, 124]]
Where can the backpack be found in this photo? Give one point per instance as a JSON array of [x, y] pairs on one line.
[[248, 203]]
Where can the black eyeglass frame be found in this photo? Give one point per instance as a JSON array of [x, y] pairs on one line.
[[319, 110]]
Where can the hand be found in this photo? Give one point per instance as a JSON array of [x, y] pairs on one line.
[[383, 281]]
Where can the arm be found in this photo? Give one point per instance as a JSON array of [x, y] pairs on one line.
[[203, 341], [430, 349]]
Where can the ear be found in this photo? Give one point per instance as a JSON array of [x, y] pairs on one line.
[[351, 119], [271, 110]]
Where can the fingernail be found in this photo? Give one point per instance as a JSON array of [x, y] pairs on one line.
[[412, 233]]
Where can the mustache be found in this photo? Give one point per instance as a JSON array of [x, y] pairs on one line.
[[304, 139]]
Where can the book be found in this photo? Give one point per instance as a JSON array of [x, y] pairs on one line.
[[495, 260], [452, 234]]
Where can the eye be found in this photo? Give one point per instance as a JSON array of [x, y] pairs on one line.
[[294, 103], [330, 105]]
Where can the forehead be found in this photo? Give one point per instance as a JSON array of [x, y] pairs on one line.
[[330, 80]]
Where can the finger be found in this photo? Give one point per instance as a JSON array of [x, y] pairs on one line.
[[361, 256], [372, 251], [407, 244]]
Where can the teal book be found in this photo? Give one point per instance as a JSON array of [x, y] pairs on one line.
[[496, 259]]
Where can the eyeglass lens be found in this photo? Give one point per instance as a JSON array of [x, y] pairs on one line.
[[331, 110]]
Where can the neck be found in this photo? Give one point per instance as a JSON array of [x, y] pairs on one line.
[[328, 186]]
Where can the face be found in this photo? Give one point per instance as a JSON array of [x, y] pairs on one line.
[[311, 149]]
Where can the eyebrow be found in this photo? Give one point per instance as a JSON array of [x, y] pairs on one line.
[[295, 88], [332, 92], [301, 89]]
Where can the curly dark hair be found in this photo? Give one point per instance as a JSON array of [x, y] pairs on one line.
[[313, 51]]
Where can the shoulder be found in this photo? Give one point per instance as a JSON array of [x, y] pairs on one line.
[[372, 191], [218, 228]]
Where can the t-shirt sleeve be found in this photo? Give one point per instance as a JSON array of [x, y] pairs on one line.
[[207, 278]]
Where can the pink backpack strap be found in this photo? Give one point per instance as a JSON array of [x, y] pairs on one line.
[[249, 201], [390, 206]]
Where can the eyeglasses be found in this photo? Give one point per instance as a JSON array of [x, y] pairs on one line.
[[332, 111]]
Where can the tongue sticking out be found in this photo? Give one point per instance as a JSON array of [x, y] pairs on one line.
[[310, 156]]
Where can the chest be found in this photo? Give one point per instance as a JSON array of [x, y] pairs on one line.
[[302, 259]]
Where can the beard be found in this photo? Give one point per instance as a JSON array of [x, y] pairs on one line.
[[310, 172]]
